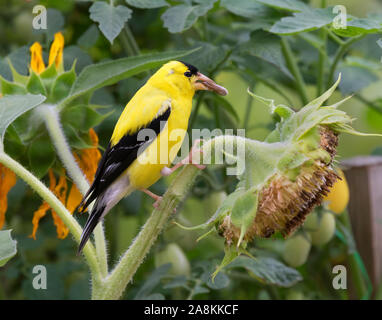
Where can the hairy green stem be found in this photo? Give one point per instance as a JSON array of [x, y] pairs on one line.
[[59, 208], [52, 121], [134, 256], [132, 259], [294, 69], [53, 125]]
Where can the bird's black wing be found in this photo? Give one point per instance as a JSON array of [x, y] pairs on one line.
[[116, 159]]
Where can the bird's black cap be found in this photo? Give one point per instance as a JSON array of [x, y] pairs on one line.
[[190, 67]]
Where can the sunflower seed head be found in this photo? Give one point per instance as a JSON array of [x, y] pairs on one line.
[[285, 203]]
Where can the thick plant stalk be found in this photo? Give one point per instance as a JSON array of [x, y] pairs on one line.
[[52, 122], [134, 256], [132, 259], [59, 208]]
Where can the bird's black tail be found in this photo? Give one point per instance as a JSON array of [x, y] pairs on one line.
[[94, 217]]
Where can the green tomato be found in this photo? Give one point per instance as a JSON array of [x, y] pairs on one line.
[[173, 254], [296, 250], [311, 222], [321, 230]]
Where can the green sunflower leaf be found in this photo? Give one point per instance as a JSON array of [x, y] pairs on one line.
[[41, 155], [289, 5], [268, 270], [147, 4], [35, 85], [182, 17], [11, 107], [8, 247], [111, 19], [307, 20]]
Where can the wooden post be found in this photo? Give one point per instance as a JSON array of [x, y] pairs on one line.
[[364, 176]]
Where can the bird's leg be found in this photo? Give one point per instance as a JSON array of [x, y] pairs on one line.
[[154, 196], [166, 171], [157, 198]]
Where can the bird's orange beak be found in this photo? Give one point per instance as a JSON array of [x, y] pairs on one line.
[[204, 83]]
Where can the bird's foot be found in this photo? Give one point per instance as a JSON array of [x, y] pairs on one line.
[[157, 202], [157, 198], [166, 171], [154, 196]]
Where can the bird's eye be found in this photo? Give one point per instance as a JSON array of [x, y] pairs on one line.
[[188, 74]]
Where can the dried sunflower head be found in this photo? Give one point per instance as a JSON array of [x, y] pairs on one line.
[[285, 176], [284, 201]]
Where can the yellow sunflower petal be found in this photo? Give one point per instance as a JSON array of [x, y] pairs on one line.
[[93, 137], [41, 211], [60, 191], [88, 162], [37, 62], [89, 158], [74, 199], [62, 230], [56, 50], [37, 215], [92, 156], [7, 181], [61, 187]]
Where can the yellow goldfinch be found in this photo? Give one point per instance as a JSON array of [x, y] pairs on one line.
[[161, 107]]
